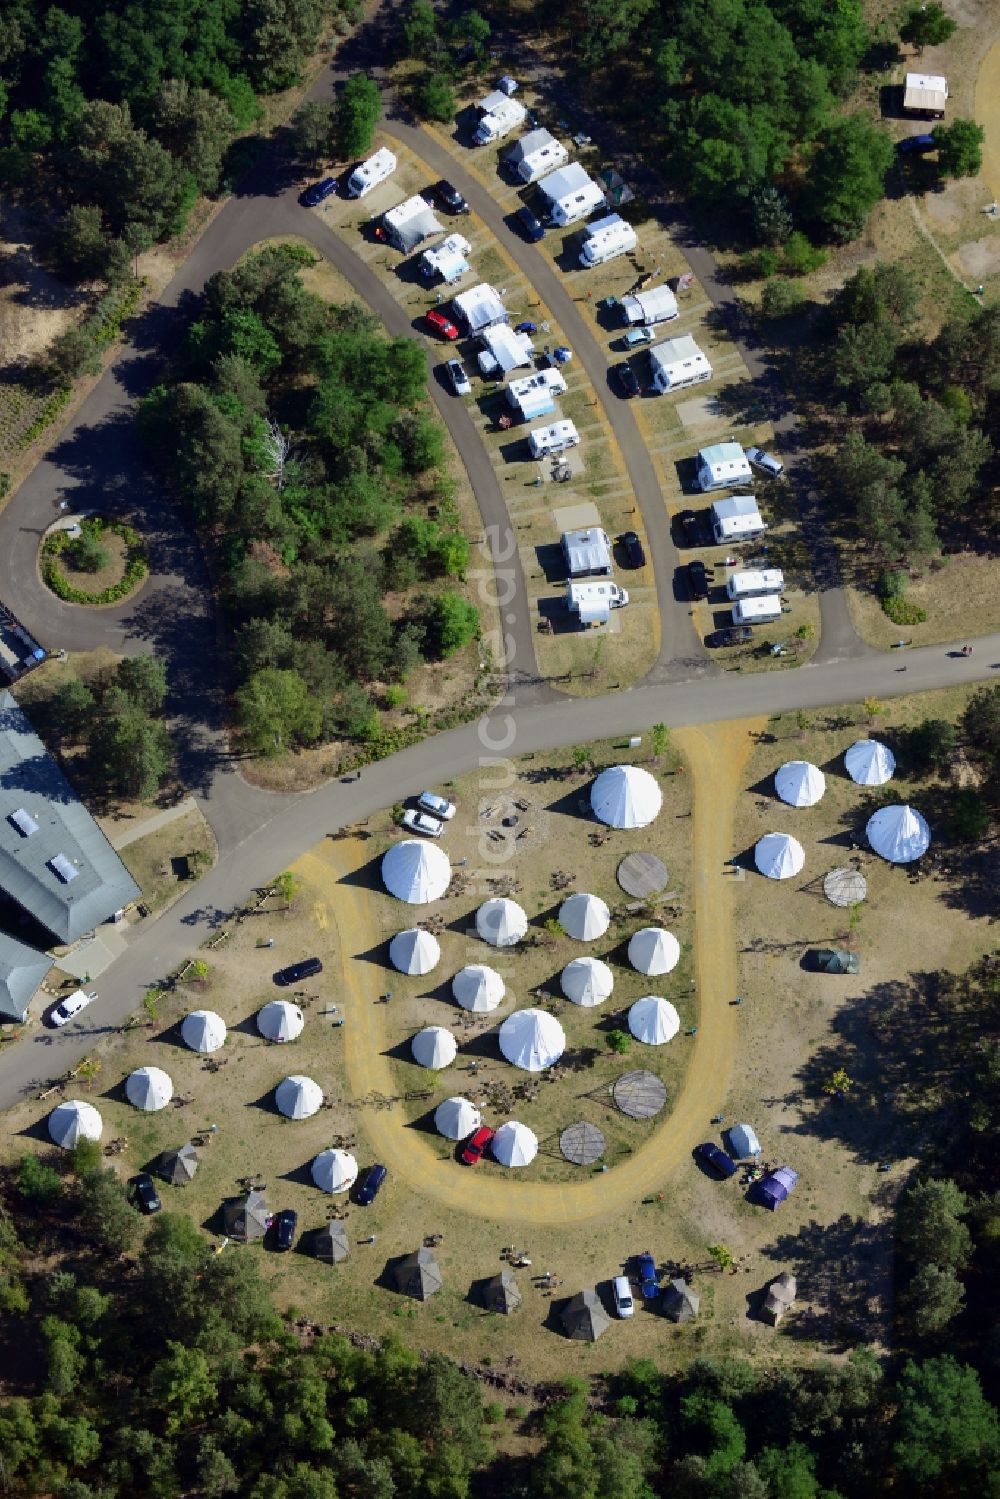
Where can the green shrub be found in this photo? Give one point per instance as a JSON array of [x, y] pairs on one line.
[[61, 542], [895, 603]]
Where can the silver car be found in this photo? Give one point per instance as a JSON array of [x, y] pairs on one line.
[[422, 822], [766, 462], [459, 379], [427, 801]]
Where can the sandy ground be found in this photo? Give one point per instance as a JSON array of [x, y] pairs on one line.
[[988, 115]]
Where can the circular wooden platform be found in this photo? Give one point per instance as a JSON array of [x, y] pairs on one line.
[[640, 1095], [583, 1144], [642, 874]]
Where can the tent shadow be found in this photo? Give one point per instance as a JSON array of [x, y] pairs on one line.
[[755, 1303], [552, 1322], [366, 877], [378, 955], [248, 1027], [215, 1222], [302, 1177], [117, 1094], [576, 804], [425, 1124], [486, 1044], [267, 1105], [172, 1037], [39, 1130], [385, 1279]]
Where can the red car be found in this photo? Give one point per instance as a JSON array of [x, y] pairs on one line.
[[441, 324], [476, 1144]]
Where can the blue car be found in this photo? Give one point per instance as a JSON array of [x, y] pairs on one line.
[[531, 226], [716, 1160], [648, 1277], [368, 1187], [916, 145], [319, 191]]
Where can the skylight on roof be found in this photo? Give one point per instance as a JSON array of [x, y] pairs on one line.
[[62, 866], [24, 822]]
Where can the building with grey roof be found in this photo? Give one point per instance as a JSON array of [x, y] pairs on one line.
[[22, 969], [54, 859]]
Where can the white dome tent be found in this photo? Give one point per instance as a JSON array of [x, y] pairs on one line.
[[334, 1171], [149, 1088], [653, 950], [584, 917], [478, 988], [501, 922], [514, 1144], [280, 1020], [587, 981], [779, 856], [203, 1030], [625, 796], [898, 834], [532, 1039], [456, 1118], [799, 783], [869, 762], [414, 951], [653, 1021], [73, 1121], [298, 1097], [416, 872], [434, 1047]]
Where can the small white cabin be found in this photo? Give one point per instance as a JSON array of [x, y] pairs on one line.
[[478, 308], [570, 194], [555, 438], [499, 115], [757, 611], [736, 519], [722, 465], [925, 94], [535, 154], [593, 602], [371, 172], [648, 307], [677, 363], [535, 395], [756, 583], [606, 239]]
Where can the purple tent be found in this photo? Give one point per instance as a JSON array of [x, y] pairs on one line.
[[776, 1187]]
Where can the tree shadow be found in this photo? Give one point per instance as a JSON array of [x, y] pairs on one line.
[[834, 1264]]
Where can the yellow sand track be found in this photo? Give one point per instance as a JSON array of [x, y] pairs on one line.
[[716, 755], [988, 115]]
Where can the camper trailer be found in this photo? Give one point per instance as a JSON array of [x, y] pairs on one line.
[[678, 363], [593, 602], [556, 438], [722, 465], [755, 584], [736, 519], [370, 173], [570, 195], [606, 239], [535, 154], [479, 308], [535, 395], [498, 116], [649, 307], [448, 261], [757, 611], [587, 553], [504, 350], [925, 94], [409, 224]]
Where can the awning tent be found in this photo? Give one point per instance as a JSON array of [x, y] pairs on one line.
[[584, 1318], [203, 1030], [414, 951], [501, 922], [584, 917], [532, 1039], [779, 856], [514, 1144], [869, 762], [280, 1020], [773, 1189], [149, 1088], [416, 872], [456, 1118], [743, 1142], [298, 1097], [653, 950], [799, 783], [653, 1020], [330, 1243], [334, 1171], [898, 834], [477, 988], [73, 1121], [679, 1302], [246, 1217], [625, 796], [178, 1167], [587, 981], [501, 1293], [434, 1047], [418, 1275]]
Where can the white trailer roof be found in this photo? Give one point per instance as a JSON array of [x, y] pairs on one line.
[[587, 551], [480, 307], [510, 350], [679, 354], [565, 181], [928, 91], [650, 306]]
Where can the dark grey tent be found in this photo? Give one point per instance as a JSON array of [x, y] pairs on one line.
[[246, 1217], [330, 1243], [780, 1298], [501, 1293], [178, 1166], [22, 969], [680, 1303], [584, 1317], [418, 1275]]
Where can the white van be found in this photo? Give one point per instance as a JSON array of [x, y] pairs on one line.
[[757, 611], [593, 602], [553, 439], [750, 585], [624, 1305], [370, 173]]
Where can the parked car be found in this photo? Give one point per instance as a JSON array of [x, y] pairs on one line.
[[72, 1005], [476, 1144], [284, 1227], [628, 380], [916, 145], [437, 806], [450, 198], [697, 576], [530, 225], [370, 1185], [648, 1277], [459, 379], [690, 527], [636, 337], [766, 462], [632, 548], [296, 972], [318, 192], [715, 1158], [142, 1190], [441, 324], [422, 822], [734, 635], [835, 960], [622, 1291]]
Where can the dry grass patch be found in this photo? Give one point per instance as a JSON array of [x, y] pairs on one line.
[[165, 861], [960, 597]]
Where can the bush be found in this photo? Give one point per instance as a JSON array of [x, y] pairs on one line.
[[800, 257], [86, 552], [36, 1181], [60, 542], [781, 299], [433, 98]]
